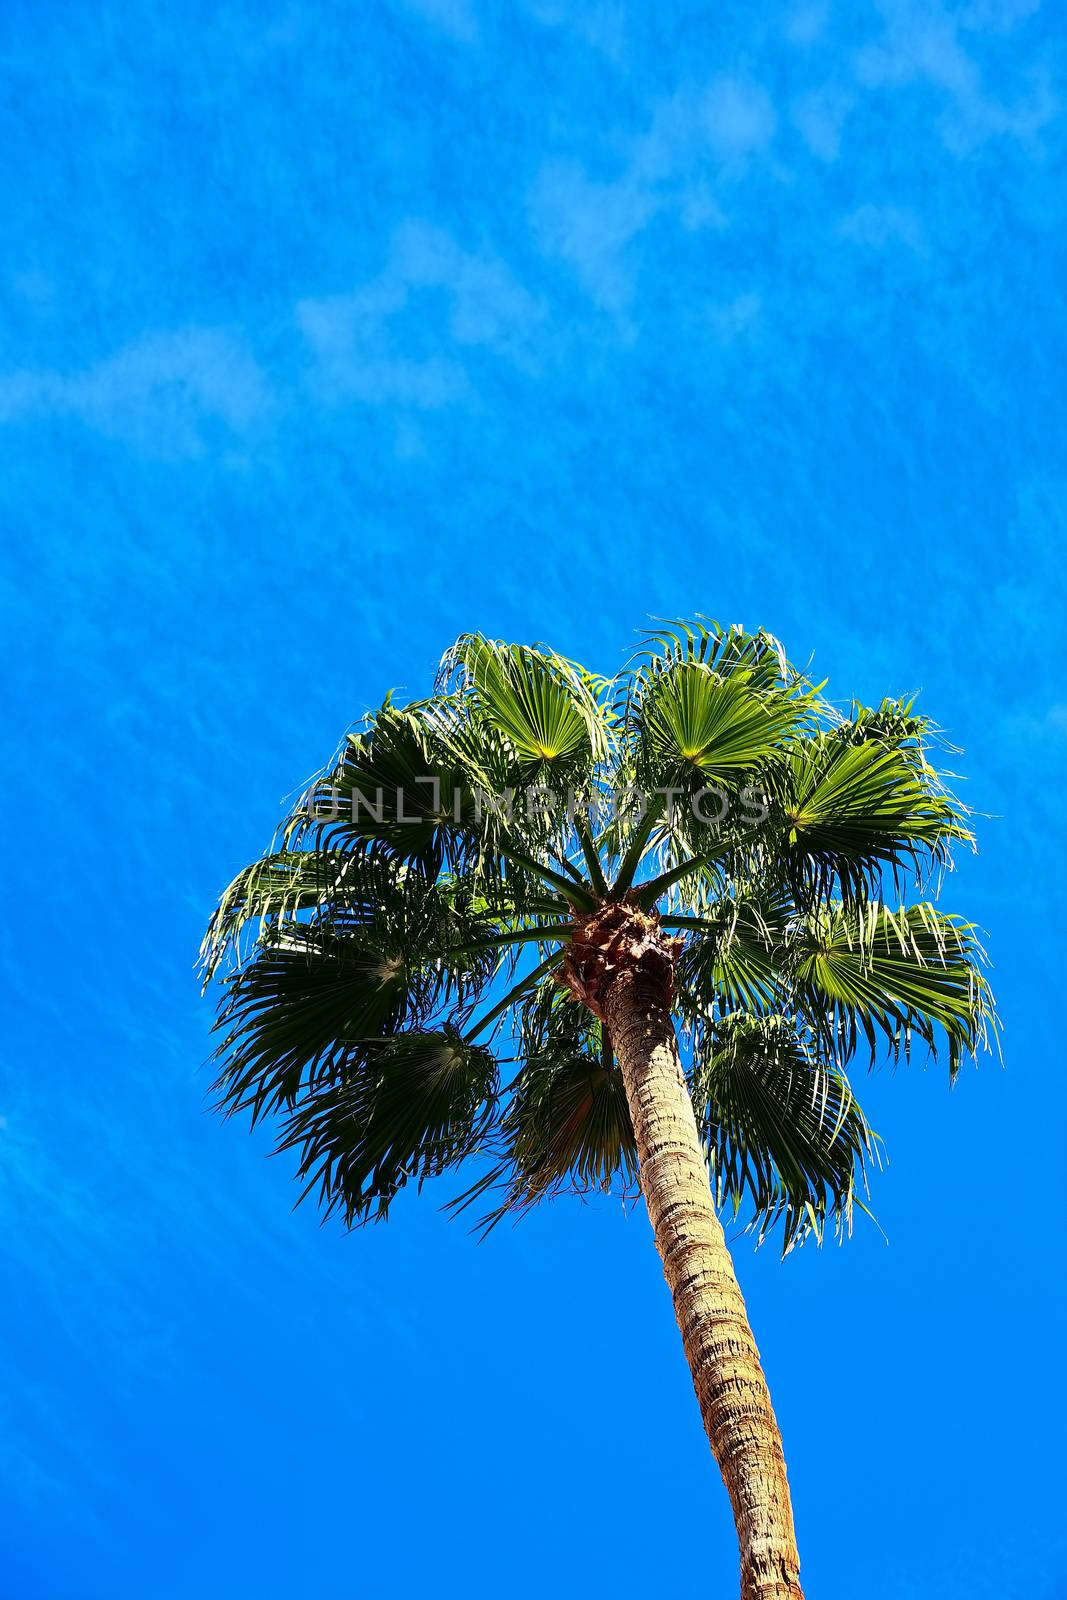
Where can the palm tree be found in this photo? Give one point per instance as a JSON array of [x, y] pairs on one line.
[[661, 897]]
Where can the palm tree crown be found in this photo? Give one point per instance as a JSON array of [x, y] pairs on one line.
[[407, 973]]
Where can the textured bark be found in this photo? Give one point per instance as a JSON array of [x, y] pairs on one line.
[[633, 998]]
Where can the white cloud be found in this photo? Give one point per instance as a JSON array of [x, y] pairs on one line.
[[172, 395], [976, 118], [698, 141], [358, 347], [589, 225], [348, 369], [486, 303], [164, 394], [916, 48], [1041, 732], [882, 226], [922, 44]]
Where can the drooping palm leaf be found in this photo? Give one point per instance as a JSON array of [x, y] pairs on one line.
[[392, 949], [891, 976], [286, 882], [734, 953], [784, 1131], [401, 1110], [567, 1127]]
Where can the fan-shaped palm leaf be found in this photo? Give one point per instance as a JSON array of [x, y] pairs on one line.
[[401, 1109], [851, 812], [784, 1130], [875, 972]]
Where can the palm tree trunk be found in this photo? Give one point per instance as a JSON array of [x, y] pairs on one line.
[[734, 1400]]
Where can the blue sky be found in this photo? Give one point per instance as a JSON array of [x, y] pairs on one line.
[[328, 332]]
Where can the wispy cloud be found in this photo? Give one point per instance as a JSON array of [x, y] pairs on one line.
[[923, 44], [354, 362], [181, 394], [358, 339], [589, 224], [165, 394], [696, 143], [997, 16]]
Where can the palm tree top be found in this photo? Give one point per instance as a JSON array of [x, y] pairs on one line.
[[409, 975]]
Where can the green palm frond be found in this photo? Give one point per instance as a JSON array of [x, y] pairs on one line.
[[850, 813], [784, 1131], [391, 787], [694, 723], [285, 883], [734, 953], [758, 658], [290, 1016], [543, 705], [406, 929], [888, 976], [361, 968], [896, 724], [404, 1109], [567, 1127]]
